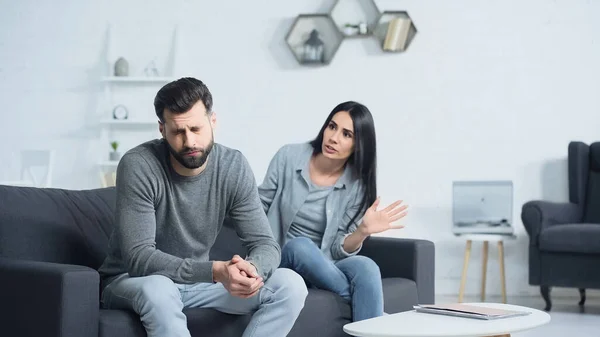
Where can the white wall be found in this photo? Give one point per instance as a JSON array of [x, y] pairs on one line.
[[487, 90]]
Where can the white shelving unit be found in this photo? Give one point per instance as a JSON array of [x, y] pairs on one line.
[[135, 92], [137, 79], [128, 122], [108, 163]]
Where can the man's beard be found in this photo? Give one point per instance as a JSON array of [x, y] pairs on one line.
[[191, 162]]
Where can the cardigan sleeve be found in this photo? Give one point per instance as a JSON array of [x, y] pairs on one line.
[[346, 227], [268, 188]]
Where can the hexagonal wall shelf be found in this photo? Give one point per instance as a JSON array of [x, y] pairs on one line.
[[314, 39], [395, 31], [355, 17]]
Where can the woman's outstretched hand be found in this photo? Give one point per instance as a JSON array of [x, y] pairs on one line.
[[376, 221]]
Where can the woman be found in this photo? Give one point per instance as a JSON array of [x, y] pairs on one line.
[[320, 198]]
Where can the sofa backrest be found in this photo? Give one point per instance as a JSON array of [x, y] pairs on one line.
[[56, 225], [592, 199], [70, 226]]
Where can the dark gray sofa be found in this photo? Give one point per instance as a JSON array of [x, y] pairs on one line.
[[564, 238], [52, 241]]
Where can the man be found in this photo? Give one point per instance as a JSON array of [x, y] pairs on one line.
[[172, 197]]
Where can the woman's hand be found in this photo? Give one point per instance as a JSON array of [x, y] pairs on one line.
[[376, 221]]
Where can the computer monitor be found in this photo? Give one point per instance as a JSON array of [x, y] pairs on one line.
[[482, 202]]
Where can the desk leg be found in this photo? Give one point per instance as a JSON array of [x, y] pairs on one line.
[[484, 270], [502, 275], [463, 278]]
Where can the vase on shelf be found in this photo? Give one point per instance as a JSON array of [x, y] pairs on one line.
[[121, 67], [114, 156]]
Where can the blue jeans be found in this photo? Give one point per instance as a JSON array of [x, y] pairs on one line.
[[356, 279], [159, 302]]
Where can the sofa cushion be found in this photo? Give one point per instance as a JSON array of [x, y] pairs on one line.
[[209, 322], [201, 322], [120, 323], [56, 225], [324, 314], [400, 294], [571, 238]]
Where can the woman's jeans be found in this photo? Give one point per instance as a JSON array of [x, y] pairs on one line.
[[356, 279]]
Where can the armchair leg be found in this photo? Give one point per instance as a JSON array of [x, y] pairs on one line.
[[545, 290], [582, 295]]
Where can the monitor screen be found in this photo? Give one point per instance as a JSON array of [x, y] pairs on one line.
[[482, 202]]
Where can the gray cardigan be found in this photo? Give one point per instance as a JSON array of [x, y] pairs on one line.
[[285, 189]]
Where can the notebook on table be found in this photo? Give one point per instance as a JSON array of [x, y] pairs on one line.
[[468, 311]]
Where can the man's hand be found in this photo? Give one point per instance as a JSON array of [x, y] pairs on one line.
[[246, 267], [238, 276]]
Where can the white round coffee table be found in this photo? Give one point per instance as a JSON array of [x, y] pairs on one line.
[[414, 324]]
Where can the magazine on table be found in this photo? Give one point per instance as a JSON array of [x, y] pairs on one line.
[[469, 311]]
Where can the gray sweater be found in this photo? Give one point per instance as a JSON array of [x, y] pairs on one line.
[[166, 224]]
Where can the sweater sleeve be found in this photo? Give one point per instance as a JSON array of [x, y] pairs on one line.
[[135, 226], [251, 223]]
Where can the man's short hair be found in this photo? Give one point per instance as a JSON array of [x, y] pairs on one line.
[[179, 96]]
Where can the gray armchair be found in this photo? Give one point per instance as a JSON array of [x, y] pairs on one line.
[[564, 245]]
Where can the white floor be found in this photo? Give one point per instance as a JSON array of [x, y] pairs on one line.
[[567, 320]]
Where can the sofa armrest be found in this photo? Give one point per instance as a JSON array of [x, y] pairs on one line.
[[48, 299], [407, 258], [538, 214]]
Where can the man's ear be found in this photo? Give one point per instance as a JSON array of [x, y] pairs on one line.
[[213, 119], [161, 128]]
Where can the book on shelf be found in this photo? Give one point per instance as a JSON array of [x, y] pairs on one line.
[[469, 311], [397, 34]]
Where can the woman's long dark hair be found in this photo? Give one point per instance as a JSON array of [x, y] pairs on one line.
[[364, 156]]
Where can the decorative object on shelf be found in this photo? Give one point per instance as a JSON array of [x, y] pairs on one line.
[[120, 112], [354, 30], [355, 17], [151, 69], [314, 49], [395, 30], [114, 155], [314, 39], [397, 33], [362, 28], [124, 79], [350, 29], [121, 67]]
